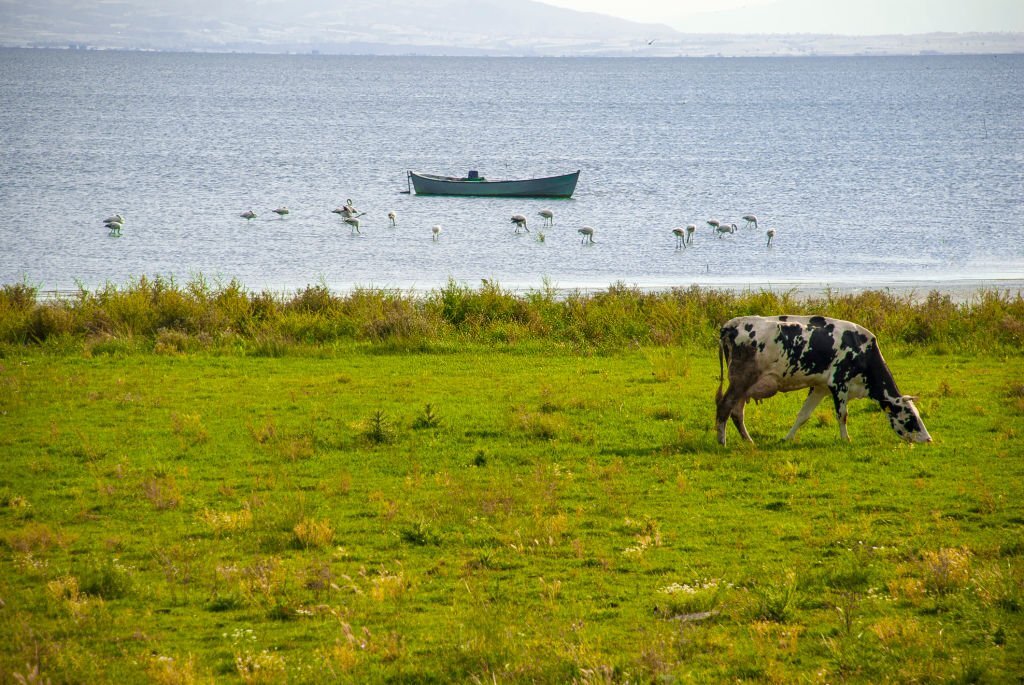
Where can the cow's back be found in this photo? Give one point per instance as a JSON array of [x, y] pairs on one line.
[[795, 347]]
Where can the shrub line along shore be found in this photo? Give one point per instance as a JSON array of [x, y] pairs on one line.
[[148, 314]]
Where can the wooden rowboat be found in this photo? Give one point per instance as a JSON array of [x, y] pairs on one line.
[[476, 185]]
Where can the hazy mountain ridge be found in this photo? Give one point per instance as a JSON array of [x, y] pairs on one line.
[[454, 27], [486, 25]]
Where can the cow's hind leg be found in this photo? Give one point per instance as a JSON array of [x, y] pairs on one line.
[[737, 419], [764, 388], [816, 395], [727, 405]]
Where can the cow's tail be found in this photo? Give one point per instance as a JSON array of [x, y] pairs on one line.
[[721, 369]]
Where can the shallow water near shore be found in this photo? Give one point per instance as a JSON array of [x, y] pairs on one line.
[[874, 172]]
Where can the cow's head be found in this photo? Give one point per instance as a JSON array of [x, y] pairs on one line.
[[906, 420]]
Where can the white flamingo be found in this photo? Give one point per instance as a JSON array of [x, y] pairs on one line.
[[393, 218], [690, 230], [548, 216], [771, 234], [680, 235], [725, 228], [116, 219], [588, 234], [248, 215], [353, 222], [750, 219], [114, 227], [714, 223], [520, 221], [349, 210], [436, 231], [281, 211]]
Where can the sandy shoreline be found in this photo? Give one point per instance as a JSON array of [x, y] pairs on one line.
[[959, 289]]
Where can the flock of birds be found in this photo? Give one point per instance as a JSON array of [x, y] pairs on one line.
[[684, 236], [350, 216]]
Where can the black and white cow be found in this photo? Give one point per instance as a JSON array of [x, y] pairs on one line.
[[766, 355]]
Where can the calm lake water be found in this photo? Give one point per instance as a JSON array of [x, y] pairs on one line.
[[872, 171]]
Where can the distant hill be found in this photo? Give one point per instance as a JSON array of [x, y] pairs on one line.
[[374, 26], [483, 27]]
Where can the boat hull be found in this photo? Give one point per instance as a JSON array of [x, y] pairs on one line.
[[552, 186]]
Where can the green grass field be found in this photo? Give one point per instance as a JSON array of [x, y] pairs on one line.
[[490, 513], [207, 484]]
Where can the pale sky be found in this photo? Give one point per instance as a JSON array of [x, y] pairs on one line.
[[851, 17]]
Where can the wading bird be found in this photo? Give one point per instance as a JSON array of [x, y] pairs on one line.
[[714, 223], [690, 230], [248, 215], [725, 228], [436, 231], [680, 235], [771, 234], [353, 222], [347, 210], [114, 227], [750, 219], [588, 234], [393, 218], [520, 221], [548, 216], [116, 219], [281, 211]]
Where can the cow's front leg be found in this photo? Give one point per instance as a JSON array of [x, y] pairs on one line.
[[840, 400], [816, 395]]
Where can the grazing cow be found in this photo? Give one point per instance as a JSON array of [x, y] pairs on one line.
[[766, 355]]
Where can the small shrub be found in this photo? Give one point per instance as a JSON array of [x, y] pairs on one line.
[[419, 534], [107, 578], [690, 600], [260, 668], [189, 428], [18, 296], [269, 345], [946, 570], [162, 492], [538, 426], [378, 430], [776, 600], [227, 522], [264, 432], [224, 603], [174, 342], [428, 419], [296, 448], [312, 533], [908, 590], [388, 586], [35, 537], [66, 594], [167, 670]]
